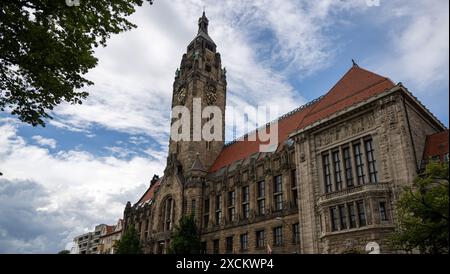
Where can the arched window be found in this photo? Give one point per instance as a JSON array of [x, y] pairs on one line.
[[168, 213]]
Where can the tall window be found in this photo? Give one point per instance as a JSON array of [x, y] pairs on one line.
[[371, 161], [203, 248], [361, 213], [260, 239], [277, 192], [337, 170], [168, 214], [245, 202], [294, 187], [342, 217], [206, 213], [216, 246], [231, 204], [261, 200], [244, 241], [334, 218], [348, 166], [351, 215], [229, 244], [218, 209], [193, 206], [383, 213], [326, 172], [359, 163], [278, 236], [296, 233], [261, 189]]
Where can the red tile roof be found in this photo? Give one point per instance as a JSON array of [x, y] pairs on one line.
[[436, 145], [355, 86], [148, 195]]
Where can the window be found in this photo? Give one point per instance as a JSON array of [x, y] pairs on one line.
[[334, 219], [245, 202], [293, 178], [383, 213], [231, 208], [348, 167], [361, 213], [244, 241], [326, 173], [206, 213], [371, 161], [343, 217], [278, 194], [352, 215], [337, 170], [278, 236], [216, 246], [168, 214], [294, 187], [203, 248], [193, 206], [261, 189], [261, 201], [277, 184], [260, 239], [296, 233], [231, 198], [218, 209], [231, 214], [229, 244], [245, 194], [359, 163], [261, 207]]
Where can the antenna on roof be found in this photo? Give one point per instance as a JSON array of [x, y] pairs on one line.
[[354, 63]]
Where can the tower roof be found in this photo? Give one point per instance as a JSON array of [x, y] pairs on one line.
[[203, 29]]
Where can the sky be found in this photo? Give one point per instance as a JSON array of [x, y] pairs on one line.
[[82, 168]]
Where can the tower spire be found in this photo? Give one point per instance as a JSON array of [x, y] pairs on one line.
[[203, 23]]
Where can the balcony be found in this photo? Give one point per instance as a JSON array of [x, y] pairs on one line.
[[381, 187]]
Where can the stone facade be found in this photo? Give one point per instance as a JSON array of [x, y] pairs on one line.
[[330, 187]]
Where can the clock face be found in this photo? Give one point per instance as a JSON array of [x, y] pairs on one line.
[[211, 95], [182, 96]]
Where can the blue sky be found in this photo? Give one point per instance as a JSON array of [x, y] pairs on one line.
[[81, 169]]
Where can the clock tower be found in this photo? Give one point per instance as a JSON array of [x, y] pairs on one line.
[[200, 83]]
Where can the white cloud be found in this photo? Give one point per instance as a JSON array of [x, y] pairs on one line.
[[133, 81], [419, 42], [48, 142], [73, 178]]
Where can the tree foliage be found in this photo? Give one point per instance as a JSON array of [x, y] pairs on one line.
[[46, 47], [186, 239], [65, 251], [129, 243], [423, 211]]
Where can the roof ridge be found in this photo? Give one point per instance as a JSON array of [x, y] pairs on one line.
[[286, 115], [352, 94]]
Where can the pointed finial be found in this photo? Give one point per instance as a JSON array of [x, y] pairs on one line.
[[354, 63]]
